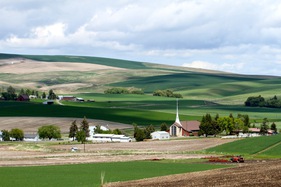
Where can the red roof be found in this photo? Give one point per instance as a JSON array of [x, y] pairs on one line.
[[254, 130]]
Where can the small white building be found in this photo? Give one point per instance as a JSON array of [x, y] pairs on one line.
[[160, 135], [1, 137], [110, 138], [31, 137]]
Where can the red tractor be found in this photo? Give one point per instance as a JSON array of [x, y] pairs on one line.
[[237, 159]]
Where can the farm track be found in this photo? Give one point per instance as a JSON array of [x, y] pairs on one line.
[[270, 147]]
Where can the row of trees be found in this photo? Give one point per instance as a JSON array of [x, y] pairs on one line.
[[166, 93], [11, 93], [260, 101], [48, 131], [230, 125], [123, 91], [16, 134]]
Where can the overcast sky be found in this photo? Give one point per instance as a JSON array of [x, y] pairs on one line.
[[241, 36]]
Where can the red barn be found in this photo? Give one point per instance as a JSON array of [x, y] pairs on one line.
[[23, 97]]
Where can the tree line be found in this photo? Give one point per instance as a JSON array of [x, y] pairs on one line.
[[11, 93], [123, 91], [260, 101], [166, 93], [230, 125]]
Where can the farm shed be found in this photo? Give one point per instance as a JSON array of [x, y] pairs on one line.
[[110, 138], [160, 135], [31, 137], [67, 98]]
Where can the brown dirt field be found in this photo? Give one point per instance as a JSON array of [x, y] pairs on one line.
[[263, 173], [26, 154], [31, 124], [25, 66], [250, 173]]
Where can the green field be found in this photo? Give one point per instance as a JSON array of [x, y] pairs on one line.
[[259, 146], [90, 174], [139, 109]]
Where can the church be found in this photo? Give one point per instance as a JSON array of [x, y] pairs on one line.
[[184, 128]]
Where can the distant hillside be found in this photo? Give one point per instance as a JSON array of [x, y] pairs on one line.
[[79, 74]]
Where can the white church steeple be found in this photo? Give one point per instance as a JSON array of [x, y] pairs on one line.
[[177, 117]]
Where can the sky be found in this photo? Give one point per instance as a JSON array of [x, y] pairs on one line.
[[239, 36]]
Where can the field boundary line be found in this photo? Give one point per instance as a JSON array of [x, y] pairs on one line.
[[270, 147]]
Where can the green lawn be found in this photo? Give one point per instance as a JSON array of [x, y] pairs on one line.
[[251, 146], [90, 174]]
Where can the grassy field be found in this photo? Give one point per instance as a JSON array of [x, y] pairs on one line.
[[140, 109], [260, 146], [90, 174], [192, 84]]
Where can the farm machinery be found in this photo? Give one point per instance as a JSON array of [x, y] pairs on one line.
[[238, 158]]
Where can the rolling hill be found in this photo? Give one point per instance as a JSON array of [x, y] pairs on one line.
[[81, 74]]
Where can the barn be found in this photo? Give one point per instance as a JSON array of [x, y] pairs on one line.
[[23, 97]]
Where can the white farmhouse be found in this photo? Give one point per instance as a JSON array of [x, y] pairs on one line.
[[160, 135]]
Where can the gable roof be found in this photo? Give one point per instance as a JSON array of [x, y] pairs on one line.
[[24, 96], [189, 125]]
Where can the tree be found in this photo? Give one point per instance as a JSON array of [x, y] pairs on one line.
[[226, 124], [17, 134], [140, 136], [98, 129], [164, 127], [37, 94], [85, 127], [255, 101], [22, 91], [138, 133], [43, 95], [28, 92], [52, 94], [273, 127], [148, 130], [116, 131], [49, 131], [73, 130], [245, 119], [10, 94], [264, 126], [206, 125], [81, 136], [5, 135]]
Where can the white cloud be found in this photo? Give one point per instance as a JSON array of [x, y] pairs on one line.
[[233, 34], [227, 67]]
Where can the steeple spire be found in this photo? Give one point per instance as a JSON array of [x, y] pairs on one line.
[[177, 117]]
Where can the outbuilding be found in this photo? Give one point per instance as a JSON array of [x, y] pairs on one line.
[[160, 135]]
